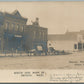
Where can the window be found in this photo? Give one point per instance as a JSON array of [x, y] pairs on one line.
[[75, 46], [17, 27], [7, 25], [79, 45], [43, 35], [39, 34], [12, 25], [34, 34], [22, 28]]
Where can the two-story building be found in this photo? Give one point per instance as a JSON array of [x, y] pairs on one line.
[[36, 36], [15, 34], [13, 29]]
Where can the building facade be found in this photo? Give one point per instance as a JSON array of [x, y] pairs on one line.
[[36, 37], [17, 35]]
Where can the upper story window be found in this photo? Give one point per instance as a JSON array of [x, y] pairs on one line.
[[22, 28], [17, 28], [34, 35], [12, 25], [39, 34], [7, 25], [43, 35]]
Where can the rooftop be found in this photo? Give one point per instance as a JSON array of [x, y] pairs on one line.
[[15, 14], [70, 36]]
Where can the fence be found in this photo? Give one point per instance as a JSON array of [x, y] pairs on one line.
[[18, 53]]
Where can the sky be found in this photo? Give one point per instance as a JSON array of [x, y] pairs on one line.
[[58, 17]]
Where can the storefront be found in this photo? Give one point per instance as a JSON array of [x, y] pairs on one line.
[[13, 42]]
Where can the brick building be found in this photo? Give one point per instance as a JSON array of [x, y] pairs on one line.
[[15, 34], [36, 37]]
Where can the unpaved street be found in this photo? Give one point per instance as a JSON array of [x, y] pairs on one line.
[[72, 61]]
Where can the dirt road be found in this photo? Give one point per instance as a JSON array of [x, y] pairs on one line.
[[72, 61]]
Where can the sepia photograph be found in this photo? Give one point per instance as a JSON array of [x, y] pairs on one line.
[[41, 35]]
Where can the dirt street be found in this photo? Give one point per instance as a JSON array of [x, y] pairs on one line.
[[72, 61]]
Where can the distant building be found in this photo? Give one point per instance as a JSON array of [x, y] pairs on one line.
[[15, 34], [70, 41]]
